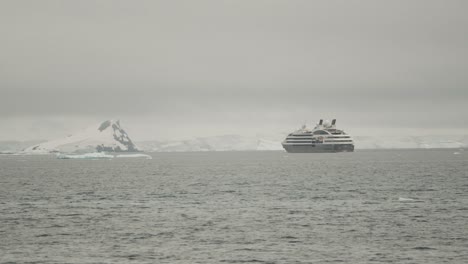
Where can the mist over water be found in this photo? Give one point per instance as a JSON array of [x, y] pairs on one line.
[[233, 67], [236, 207]]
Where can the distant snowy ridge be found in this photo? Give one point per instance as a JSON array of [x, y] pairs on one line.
[[12, 146], [107, 136], [243, 143], [216, 143], [410, 142]]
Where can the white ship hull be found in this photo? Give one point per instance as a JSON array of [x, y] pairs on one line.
[[319, 148]]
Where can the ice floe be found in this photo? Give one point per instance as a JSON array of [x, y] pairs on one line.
[[94, 155], [134, 156], [402, 199], [101, 155]]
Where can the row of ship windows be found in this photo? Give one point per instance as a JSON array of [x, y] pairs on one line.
[[319, 132], [309, 135], [309, 141], [315, 137]]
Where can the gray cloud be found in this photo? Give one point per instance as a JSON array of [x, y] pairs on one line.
[[393, 63]]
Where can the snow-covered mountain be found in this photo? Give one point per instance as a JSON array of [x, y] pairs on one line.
[[107, 136], [216, 143]]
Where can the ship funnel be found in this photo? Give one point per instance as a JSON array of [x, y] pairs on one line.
[[333, 122], [321, 122]]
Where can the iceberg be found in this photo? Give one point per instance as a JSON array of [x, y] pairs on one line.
[[107, 136]]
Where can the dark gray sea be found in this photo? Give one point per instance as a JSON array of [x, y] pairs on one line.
[[405, 206]]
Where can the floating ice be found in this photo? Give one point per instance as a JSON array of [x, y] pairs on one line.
[[101, 155], [94, 155], [134, 156], [402, 199]]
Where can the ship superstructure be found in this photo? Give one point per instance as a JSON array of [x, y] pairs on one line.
[[325, 137]]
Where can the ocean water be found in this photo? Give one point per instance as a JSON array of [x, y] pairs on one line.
[[408, 206]]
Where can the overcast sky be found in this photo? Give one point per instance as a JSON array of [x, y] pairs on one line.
[[177, 69]]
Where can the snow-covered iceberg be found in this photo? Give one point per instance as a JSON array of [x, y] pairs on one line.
[[107, 136]]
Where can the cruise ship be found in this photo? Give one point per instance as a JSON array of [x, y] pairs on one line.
[[325, 137]]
